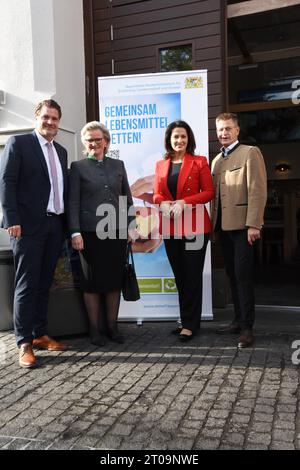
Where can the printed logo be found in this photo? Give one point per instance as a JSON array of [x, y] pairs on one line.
[[193, 82], [150, 285], [170, 285], [114, 154]]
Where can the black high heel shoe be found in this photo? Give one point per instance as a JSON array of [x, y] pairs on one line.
[[184, 338], [116, 337], [97, 338]]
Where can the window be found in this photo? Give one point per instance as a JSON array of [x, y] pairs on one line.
[[177, 58], [270, 125]]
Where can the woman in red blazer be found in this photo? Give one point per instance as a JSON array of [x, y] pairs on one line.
[[183, 184]]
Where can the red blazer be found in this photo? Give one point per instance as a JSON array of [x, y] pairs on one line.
[[195, 186]]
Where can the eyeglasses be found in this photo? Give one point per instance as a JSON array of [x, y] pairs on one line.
[[96, 141], [226, 129]]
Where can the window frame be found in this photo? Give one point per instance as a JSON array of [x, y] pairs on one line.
[[171, 45]]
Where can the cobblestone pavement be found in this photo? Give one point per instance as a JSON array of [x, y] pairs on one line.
[[154, 393]]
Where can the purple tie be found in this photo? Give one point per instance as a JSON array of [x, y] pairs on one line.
[[54, 178]]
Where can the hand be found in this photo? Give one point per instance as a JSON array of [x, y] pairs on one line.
[[147, 246], [142, 185], [133, 234], [253, 234], [147, 229], [177, 208], [77, 243], [165, 208], [14, 231]]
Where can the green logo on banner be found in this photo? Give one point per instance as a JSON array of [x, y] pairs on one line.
[[150, 285], [170, 285]]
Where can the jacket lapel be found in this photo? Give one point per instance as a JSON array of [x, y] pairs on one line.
[[164, 172], [61, 157], [63, 165], [184, 173], [58, 153], [39, 153]]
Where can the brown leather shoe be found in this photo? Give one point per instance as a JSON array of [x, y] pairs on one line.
[[232, 329], [26, 357], [246, 339], [45, 342]]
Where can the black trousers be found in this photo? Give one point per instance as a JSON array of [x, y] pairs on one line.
[[187, 266], [239, 264]]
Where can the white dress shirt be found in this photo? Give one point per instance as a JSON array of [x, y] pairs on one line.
[[226, 150], [50, 207]]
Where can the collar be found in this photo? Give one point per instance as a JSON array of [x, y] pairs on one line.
[[42, 139], [228, 150], [91, 157]]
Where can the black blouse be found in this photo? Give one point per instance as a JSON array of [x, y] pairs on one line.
[[173, 178]]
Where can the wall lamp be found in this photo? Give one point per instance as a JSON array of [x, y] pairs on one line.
[[282, 167]]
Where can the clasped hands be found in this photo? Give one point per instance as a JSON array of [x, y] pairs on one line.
[[172, 209]]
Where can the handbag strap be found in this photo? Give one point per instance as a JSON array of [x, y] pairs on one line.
[[130, 254]]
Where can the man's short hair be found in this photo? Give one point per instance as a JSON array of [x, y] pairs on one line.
[[49, 104], [227, 116]]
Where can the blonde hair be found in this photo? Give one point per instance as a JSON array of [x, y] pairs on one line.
[[96, 126], [227, 116]]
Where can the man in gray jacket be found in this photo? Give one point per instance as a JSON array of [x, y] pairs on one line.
[[240, 183]]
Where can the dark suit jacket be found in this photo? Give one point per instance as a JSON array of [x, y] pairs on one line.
[[93, 184], [194, 185], [24, 182]]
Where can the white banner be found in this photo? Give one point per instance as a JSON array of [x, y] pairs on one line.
[[137, 109]]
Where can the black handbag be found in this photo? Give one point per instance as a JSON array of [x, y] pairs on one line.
[[130, 288]]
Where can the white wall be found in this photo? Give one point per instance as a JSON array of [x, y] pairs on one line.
[[16, 71], [42, 56]]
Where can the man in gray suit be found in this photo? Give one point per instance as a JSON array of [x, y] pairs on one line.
[[33, 178], [240, 183]]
